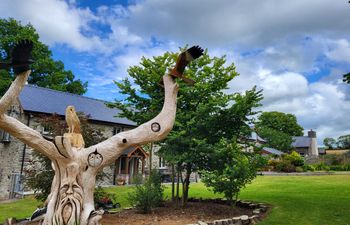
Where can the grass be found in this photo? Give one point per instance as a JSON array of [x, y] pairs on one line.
[[297, 200]]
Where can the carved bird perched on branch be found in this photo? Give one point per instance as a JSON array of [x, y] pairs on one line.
[[21, 57], [183, 60], [72, 120]]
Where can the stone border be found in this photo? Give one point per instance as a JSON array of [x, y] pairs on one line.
[[258, 210]]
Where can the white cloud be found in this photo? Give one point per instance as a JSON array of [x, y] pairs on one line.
[[340, 51], [249, 22]]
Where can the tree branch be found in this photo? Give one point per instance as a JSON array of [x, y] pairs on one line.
[[151, 131], [17, 129], [13, 92]]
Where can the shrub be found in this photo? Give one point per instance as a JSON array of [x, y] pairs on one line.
[[295, 158], [321, 166], [299, 169], [148, 195], [307, 167], [346, 167], [336, 167], [285, 166]]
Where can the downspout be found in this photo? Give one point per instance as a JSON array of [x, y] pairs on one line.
[[24, 149]]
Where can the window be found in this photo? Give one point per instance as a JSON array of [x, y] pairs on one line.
[[4, 137], [162, 162]]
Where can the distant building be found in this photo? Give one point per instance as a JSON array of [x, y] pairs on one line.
[[306, 145]]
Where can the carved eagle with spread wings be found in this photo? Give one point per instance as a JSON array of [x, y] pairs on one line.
[[21, 55], [72, 120], [183, 60]]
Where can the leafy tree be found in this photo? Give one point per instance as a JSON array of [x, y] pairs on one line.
[[46, 72], [205, 113], [235, 168], [40, 174], [330, 143], [278, 128], [343, 142]]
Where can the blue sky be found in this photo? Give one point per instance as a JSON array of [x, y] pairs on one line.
[[296, 51]]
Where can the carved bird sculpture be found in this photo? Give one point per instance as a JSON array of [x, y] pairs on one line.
[[20, 57], [72, 120], [183, 60]]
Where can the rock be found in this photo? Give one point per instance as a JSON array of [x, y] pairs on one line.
[[253, 206], [236, 220], [202, 223], [257, 211], [254, 219], [245, 220]]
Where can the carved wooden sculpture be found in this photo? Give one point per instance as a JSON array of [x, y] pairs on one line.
[[71, 199]]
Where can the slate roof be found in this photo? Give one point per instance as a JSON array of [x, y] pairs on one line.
[[301, 142], [255, 137], [44, 100], [272, 151]]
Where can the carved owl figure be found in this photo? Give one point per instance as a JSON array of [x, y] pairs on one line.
[[72, 120], [95, 158]]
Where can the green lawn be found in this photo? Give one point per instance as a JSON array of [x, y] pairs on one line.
[[297, 200]]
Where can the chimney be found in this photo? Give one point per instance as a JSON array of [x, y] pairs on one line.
[[313, 150], [311, 134]]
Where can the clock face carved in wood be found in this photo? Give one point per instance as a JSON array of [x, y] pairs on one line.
[[95, 159], [155, 127]]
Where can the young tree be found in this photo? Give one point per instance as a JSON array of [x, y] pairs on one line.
[[206, 113], [46, 72], [278, 128], [234, 169]]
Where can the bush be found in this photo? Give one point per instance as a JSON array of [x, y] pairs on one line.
[[295, 158], [285, 166], [148, 195], [336, 168], [346, 167], [309, 168], [321, 166], [299, 169]]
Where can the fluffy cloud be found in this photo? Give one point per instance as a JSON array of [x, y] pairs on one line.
[[249, 22]]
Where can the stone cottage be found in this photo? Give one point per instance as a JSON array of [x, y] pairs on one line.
[[306, 145], [35, 101]]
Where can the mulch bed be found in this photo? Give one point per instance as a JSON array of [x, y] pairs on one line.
[[169, 215], [206, 210]]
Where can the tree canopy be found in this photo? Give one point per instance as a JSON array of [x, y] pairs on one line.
[[46, 72], [205, 112], [277, 128]]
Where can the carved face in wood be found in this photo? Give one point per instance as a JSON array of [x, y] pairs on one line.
[[70, 199], [95, 159]]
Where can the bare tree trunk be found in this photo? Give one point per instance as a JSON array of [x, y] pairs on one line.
[[186, 185], [71, 199], [178, 187], [150, 157], [172, 182]]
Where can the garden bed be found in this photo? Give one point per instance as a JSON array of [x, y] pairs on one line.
[[206, 210], [169, 215]]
